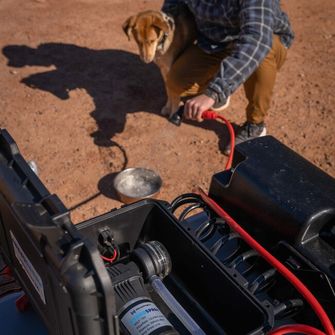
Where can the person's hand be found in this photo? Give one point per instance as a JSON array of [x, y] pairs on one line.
[[194, 107]]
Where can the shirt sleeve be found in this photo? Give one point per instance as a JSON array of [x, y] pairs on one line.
[[252, 46]]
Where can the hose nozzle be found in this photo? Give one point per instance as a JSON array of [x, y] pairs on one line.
[[177, 117]]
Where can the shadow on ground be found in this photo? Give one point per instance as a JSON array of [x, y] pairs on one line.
[[118, 82]]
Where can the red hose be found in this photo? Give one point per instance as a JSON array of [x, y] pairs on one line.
[[110, 259], [210, 115], [302, 289], [297, 329], [282, 269]]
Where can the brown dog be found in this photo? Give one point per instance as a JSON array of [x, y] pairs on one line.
[[161, 38]]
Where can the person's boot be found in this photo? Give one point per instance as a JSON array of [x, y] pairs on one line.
[[246, 132]]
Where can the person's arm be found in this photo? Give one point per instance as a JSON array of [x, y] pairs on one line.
[[254, 43]]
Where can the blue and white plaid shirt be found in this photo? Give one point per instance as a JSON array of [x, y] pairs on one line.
[[250, 24]]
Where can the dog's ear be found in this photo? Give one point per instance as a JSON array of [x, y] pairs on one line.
[[128, 26], [161, 24]]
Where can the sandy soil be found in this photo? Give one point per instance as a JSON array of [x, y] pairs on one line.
[[79, 102]]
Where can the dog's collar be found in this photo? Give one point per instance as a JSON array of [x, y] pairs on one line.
[[162, 41], [169, 19]]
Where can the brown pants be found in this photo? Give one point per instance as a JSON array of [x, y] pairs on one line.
[[194, 69]]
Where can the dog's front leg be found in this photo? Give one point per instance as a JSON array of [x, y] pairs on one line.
[[167, 107], [173, 99], [172, 104], [175, 103]]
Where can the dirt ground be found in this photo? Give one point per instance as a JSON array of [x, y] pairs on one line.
[[79, 102]]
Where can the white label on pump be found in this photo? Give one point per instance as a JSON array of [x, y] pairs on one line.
[[144, 318], [28, 267]]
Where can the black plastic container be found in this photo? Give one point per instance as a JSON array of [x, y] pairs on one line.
[[281, 197], [288, 205], [221, 300], [60, 269]]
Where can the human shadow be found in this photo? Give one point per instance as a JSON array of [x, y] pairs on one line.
[[117, 80]]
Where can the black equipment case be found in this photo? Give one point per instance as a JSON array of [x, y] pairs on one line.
[[59, 264]]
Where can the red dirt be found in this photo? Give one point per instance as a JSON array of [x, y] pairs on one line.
[[79, 102]]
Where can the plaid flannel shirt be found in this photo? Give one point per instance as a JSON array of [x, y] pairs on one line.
[[249, 24]]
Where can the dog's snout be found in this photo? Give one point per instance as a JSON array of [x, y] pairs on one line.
[[147, 60], [147, 55]]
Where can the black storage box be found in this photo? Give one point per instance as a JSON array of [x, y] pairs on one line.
[[227, 288], [60, 269], [280, 196], [288, 205]]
